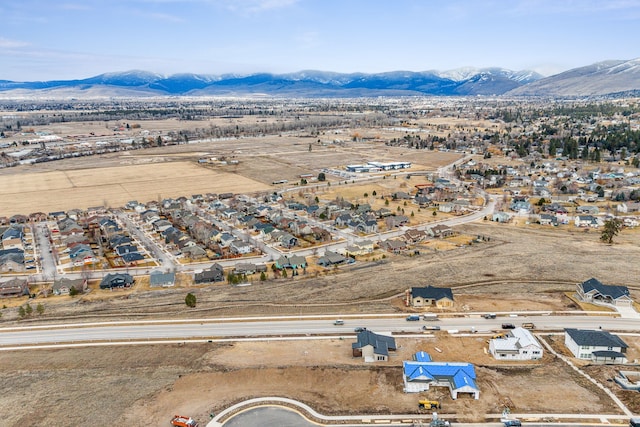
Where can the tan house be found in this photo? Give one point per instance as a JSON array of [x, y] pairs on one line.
[[363, 247], [430, 297]]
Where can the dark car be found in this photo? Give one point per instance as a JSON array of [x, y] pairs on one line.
[[508, 326], [360, 329]]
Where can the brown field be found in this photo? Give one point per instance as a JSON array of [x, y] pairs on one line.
[[173, 171], [141, 386], [114, 186]]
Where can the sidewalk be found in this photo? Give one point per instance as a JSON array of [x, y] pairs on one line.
[[399, 419]]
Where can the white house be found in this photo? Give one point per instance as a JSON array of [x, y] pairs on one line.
[[520, 344], [596, 345]]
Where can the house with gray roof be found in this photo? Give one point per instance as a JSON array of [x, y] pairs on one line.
[[373, 347], [158, 278], [598, 346], [594, 291], [214, 274]]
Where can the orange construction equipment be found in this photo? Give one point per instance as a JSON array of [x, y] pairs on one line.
[[182, 421]]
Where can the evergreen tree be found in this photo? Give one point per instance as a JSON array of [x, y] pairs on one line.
[[611, 229], [190, 300]]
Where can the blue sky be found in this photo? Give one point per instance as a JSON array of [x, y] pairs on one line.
[[68, 39]]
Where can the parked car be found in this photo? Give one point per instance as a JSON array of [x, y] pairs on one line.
[[508, 326]]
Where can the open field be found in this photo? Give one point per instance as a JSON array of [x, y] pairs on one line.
[[113, 186], [173, 171]]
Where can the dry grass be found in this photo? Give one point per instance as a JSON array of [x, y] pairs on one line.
[[114, 186]]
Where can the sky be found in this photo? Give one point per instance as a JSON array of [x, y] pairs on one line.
[[75, 39]]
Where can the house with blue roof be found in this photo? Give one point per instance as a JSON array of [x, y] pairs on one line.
[[422, 373], [594, 291]]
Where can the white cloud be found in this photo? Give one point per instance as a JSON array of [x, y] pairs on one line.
[[11, 44], [257, 6]]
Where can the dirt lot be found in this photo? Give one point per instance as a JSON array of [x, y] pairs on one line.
[[141, 386]]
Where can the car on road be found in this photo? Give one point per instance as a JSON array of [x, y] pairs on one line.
[[489, 315], [508, 326], [431, 328], [413, 318], [359, 329], [338, 322]]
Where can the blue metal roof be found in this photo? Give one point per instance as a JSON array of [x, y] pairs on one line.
[[459, 374], [422, 356]]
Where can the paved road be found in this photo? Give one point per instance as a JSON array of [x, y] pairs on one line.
[[287, 327], [269, 417]]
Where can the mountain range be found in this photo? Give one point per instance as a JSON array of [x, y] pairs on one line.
[[603, 78]]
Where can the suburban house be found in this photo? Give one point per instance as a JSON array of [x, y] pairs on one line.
[[373, 347], [597, 346], [14, 288], [586, 221], [395, 246], [213, 274], [415, 236], [519, 344], [62, 286], [332, 258], [430, 297], [548, 219], [359, 248], [158, 278], [440, 230], [422, 373], [249, 268], [116, 280], [293, 261], [501, 217], [593, 291]]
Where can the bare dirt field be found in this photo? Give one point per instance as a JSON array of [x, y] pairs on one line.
[[141, 386]]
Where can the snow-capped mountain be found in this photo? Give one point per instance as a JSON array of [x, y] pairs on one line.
[[597, 79], [602, 78]]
